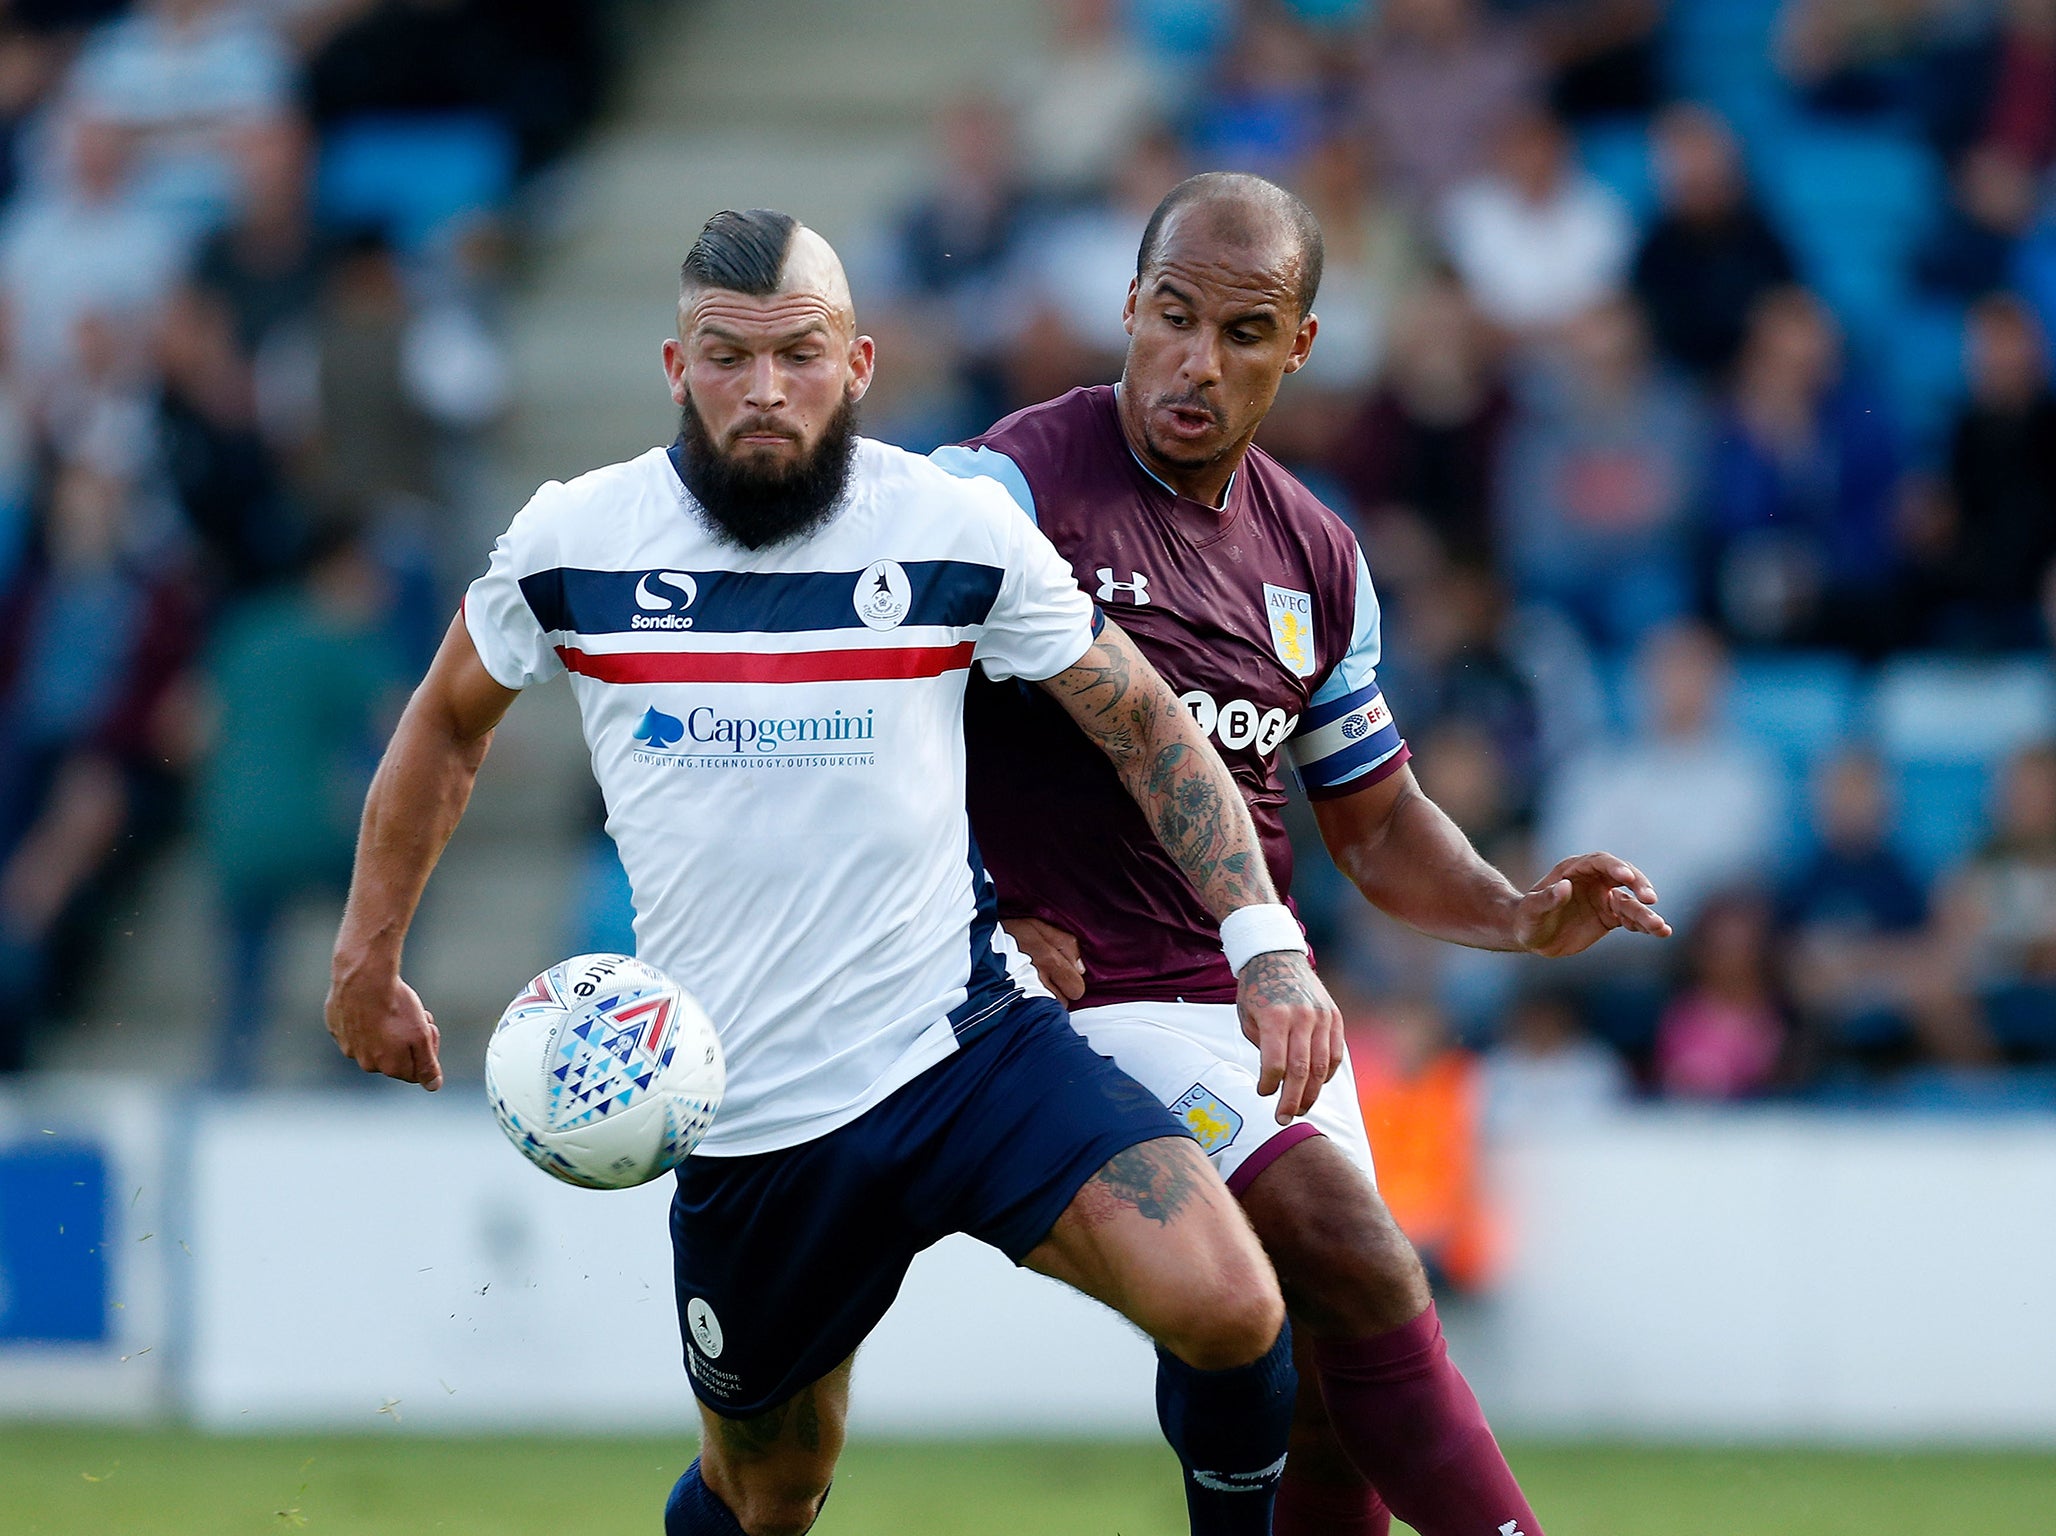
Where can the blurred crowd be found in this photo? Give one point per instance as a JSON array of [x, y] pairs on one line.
[[1684, 369], [251, 254]]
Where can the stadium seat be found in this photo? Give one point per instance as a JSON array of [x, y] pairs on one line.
[[1923, 370], [1617, 155], [1943, 813], [410, 176], [1804, 704], [1855, 203], [1935, 709], [1955, 1091]]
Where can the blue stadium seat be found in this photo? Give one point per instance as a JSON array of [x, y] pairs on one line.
[[410, 176], [1923, 370], [1617, 154], [1943, 813], [1803, 704], [1955, 1091], [1854, 202]]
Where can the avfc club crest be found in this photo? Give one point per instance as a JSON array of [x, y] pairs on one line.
[[1292, 627]]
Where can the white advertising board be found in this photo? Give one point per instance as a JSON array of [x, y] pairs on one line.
[[393, 1256], [1774, 1275]]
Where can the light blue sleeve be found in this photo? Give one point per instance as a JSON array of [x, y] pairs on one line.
[[991, 464], [1358, 668]]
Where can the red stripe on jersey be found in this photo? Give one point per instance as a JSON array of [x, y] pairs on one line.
[[768, 666]]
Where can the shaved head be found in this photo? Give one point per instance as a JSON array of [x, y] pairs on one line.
[[763, 253], [1255, 219]]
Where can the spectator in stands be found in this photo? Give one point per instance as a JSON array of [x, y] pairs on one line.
[[1804, 489], [1598, 489], [1853, 921], [1425, 448], [101, 626], [1440, 78], [219, 468], [1070, 278], [375, 462], [2000, 544], [1725, 1035], [410, 57], [1374, 259], [278, 793], [84, 245], [1997, 913], [1856, 58], [266, 263], [1601, 55], [184, 77], [1096, 92], [1422, 1105], [2023, 101], [1265, 109], [949, 256], [1547, 1071], [1538, 241], [1701, 806], [1711, 253], [1973, 246]]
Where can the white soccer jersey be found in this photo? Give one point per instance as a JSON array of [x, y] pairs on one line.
[[779, 739]]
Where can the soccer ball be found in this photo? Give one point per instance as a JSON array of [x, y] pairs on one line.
[[604, 1072]]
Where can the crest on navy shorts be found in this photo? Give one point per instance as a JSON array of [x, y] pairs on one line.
[[883, 594], [1292, 627], [1211, 1121], [705, 1327]]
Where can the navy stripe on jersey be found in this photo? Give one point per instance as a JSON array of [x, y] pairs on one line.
[[951, 593], [989, 988]]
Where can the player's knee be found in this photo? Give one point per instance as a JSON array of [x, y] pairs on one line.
[[1350, 1278], [1229, 1314]]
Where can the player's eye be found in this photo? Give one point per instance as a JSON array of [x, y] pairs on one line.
[[1177, 318], [1244, 338]]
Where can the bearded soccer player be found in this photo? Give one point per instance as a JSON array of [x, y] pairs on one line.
[[1253, 600], [769, 628]]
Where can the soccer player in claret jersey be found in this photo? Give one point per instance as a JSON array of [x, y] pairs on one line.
[[769, 627], [1254, 601]]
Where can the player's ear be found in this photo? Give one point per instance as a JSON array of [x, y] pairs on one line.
[[863, 364], [1128, 309], [674, 369], [1302, 343]]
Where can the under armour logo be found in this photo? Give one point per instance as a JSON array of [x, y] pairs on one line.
[[1512, 1528], [1137, 590]]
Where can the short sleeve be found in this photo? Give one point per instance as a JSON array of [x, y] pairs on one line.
[[512, 645], [1040, 623], [1348, 740]]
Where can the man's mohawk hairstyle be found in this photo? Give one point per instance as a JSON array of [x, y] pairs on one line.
[[740, 252]]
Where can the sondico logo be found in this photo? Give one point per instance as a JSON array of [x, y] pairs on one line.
[[659, 608], [1137, 590], [1238, 723]]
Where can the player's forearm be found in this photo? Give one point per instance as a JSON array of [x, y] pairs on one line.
[[1183, 787], [1193, 805], [1418, 867], [417, 798]]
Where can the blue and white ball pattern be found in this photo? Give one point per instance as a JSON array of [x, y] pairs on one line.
[[604, 1072]]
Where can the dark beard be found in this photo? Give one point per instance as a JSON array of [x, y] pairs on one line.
[[758, 506]]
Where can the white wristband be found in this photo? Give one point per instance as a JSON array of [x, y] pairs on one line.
[[1251, 931]]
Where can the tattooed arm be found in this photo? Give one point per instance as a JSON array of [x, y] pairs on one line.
[[1198, 814]]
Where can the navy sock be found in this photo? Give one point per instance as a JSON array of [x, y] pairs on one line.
[[695, 1510], [1230, 1430]]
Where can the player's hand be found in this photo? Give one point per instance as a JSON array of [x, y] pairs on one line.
[[1583, 899], [1289, 1017], [382, 1026], [1053, 952]]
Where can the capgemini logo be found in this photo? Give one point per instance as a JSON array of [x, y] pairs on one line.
[[657, 730]]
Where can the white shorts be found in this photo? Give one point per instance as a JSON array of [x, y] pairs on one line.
[[1194, 1057]]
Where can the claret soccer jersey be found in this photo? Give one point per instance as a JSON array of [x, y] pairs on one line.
[[1262, 618], [778, 736]]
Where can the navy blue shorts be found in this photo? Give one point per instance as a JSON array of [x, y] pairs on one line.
[[786, 1260]]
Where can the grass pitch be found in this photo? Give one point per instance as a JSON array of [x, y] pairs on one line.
[[98, 1482]]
